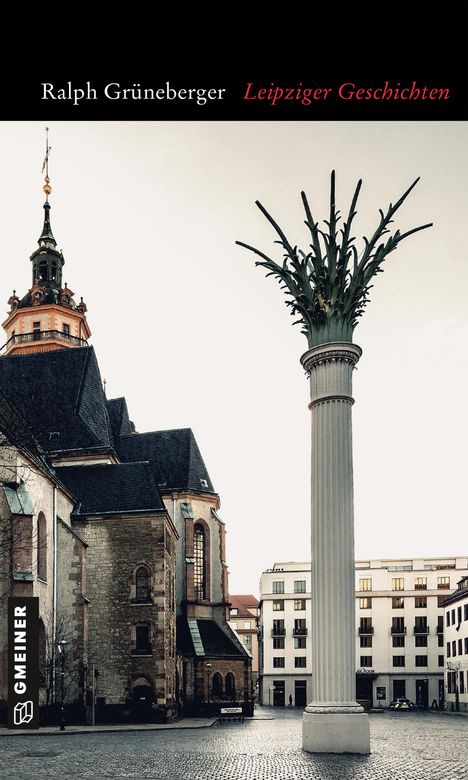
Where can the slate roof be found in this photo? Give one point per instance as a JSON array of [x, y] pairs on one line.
[[111, 488], [118, 414], [174, 454], [60, 397], [216, 642]]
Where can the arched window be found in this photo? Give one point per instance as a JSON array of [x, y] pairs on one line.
[[230, 686], [217, 686], [199, 559], [43, 270], [142, 584], [42, 655], [41, 547]]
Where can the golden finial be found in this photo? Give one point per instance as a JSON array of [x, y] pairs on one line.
[[45, 166]]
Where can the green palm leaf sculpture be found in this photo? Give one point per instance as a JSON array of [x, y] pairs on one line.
[[328, 286]]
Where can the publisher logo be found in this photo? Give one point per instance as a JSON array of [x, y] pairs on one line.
[[23, 712], [23, 662]]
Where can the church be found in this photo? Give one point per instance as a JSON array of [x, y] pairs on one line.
[[117, 532]]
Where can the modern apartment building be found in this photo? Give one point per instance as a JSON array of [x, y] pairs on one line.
[[456, 647], [399, 630]]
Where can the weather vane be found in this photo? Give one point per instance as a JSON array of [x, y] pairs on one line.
[[45, 167]]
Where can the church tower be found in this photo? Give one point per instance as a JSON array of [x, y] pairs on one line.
[[47, 317]]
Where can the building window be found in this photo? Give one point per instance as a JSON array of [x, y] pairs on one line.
[[41, 547], [451, 682], [300, 662], [420, 583], [398, 641], [66, 329], [247, 640], [440, 640], [278, 586], [234, 611], [365, 641], [300, 642], [278, 662], [453, 617], [460, 647], [278, 643], [300, 627], [448, 649], [441, 600], [421, 660], [142, 584], [441, 660], [365, 583], [278, 627], [278, 605], [142, 643], [299, 586], [420, 626], [398, 660], [398, 602], [440, 624], [199, 559], [420, 641], [230, 686], [447, 619], [462, 681], [420, 602], [459, 615], [217, 686], [365, 603], [365, 626], [466, 645], [247, 624], [366, 660], [454, 648], [443, 583], [398, 625], [465, 612], [398, 583], [299, 604]]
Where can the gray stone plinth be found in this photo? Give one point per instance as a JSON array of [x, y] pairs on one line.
[[336, 732]]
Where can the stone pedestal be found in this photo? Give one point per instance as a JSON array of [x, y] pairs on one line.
[[333, 721]]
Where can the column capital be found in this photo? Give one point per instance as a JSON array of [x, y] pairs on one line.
[[339, 351]]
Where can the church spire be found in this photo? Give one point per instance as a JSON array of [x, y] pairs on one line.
[[47, 237]]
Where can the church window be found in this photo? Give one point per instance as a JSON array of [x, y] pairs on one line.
[[43, 270], [66, 329], [199, 557], [41, 547], [217, 686], [230, 686], [142, 640], [53, 271], [142, 584]]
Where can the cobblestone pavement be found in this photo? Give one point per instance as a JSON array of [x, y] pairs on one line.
[[405, 746]]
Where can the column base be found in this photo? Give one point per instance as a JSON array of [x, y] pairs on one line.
[[336, 732]]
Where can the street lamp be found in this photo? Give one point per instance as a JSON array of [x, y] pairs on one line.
[[61, 648], [209, 668]]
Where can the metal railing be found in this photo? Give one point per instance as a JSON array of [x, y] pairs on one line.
[[43, 335], [278, 632], [398, 630], [299, 631], [421, 629]]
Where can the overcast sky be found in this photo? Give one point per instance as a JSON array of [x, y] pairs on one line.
[[192, 334]]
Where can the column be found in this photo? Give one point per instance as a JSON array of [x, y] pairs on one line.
[[333, 722]]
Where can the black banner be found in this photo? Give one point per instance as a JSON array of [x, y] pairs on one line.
[[234, 60], [23, 662]]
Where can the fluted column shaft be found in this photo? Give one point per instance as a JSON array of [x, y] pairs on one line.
[[330, 367]]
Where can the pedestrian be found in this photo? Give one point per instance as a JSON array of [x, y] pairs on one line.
[[290, 701]]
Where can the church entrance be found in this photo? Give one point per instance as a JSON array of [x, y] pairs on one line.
[[142, 700]]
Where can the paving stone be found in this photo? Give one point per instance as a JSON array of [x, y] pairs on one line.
[[405, 746]]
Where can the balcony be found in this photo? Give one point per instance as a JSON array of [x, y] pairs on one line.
[[421, 630], [43, 335], [366, 630], [398, 630], [278, 632], [299, 632]]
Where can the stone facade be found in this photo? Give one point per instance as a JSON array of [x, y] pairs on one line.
[[117, 547]]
